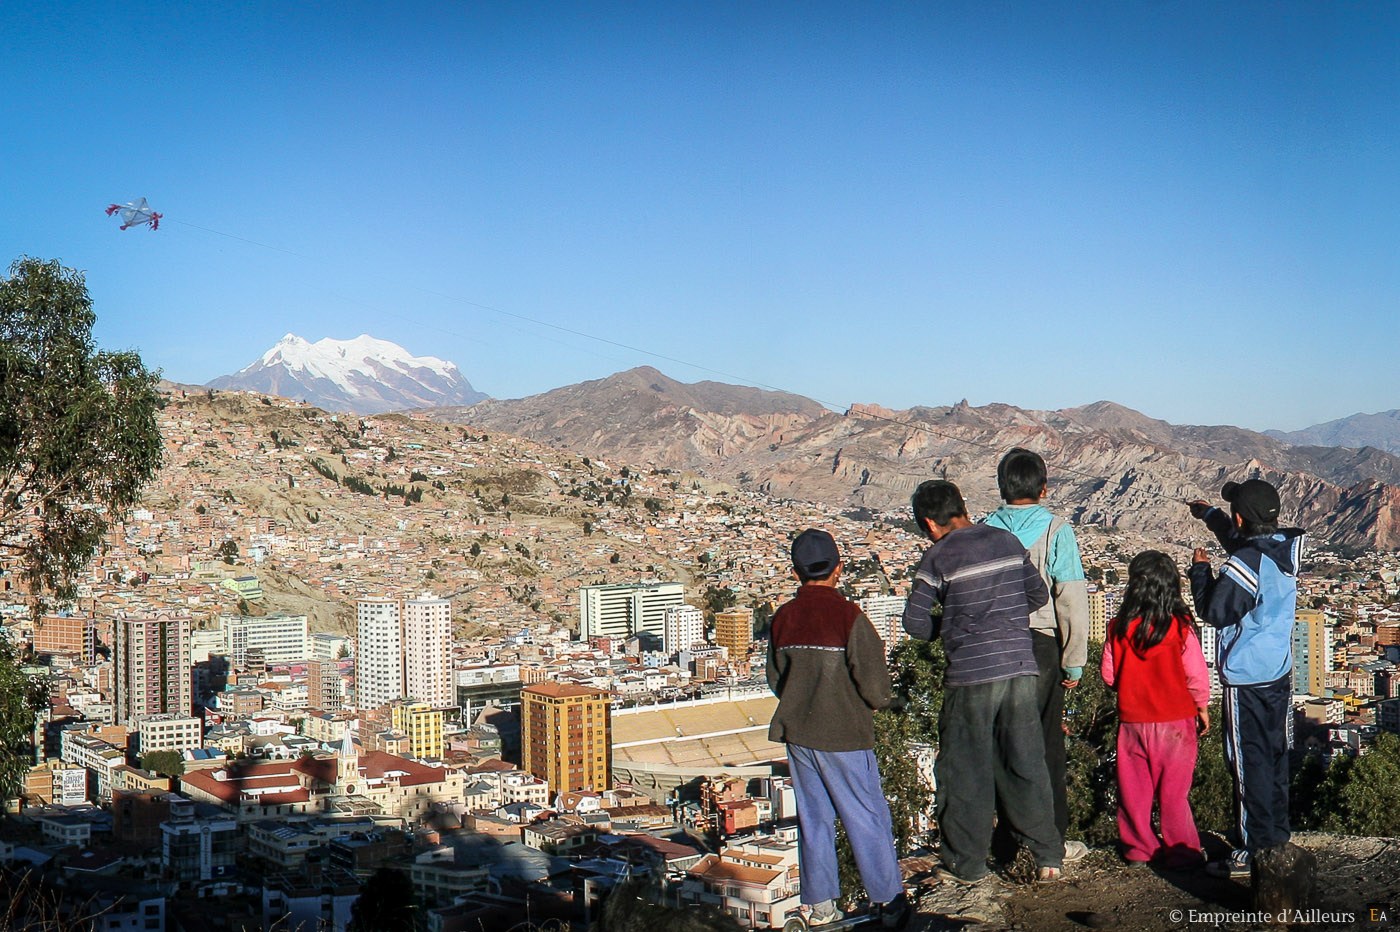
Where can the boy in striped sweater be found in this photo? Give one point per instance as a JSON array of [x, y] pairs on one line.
[[989, 737]]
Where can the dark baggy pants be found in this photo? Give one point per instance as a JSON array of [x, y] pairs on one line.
[[1050, 700], [990, 747], [1258, 723]]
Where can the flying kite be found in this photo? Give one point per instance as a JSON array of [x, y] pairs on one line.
[[135, 214]]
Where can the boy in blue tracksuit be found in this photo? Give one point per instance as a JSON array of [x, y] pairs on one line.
[[1059, 628], [1252, 603]]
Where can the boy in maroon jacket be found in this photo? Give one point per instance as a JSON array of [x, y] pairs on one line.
[[827, 667]]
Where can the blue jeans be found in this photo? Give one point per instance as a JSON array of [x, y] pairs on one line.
[[844, 783]]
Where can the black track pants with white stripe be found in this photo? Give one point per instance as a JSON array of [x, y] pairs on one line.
[[1258, 734]]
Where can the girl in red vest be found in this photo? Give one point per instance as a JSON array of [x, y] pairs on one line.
[[1153, 657]]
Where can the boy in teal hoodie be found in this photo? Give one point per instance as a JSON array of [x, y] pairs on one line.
[[1060, 629]]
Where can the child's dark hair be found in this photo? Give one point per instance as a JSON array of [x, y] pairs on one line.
[[1021, 475], [1154, 595], [939, 501], [1250, 528], [820, 577]]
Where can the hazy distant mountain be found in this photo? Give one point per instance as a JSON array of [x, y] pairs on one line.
[[363, 375], [1110, 465], [1380, 430]]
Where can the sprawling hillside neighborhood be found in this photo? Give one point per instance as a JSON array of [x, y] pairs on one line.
[[327, 643]]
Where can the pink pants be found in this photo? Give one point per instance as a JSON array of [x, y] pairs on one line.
[[1156, 761]]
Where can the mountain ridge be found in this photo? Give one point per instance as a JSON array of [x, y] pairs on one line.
[[1110, 465], [1380, 430]]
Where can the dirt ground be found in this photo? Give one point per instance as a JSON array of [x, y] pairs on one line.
[[1355, 877]]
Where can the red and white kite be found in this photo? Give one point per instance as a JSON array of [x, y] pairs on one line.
[[135, 214]]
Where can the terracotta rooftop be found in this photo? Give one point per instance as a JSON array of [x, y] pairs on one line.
[[713, 869], [562, 690], [376, 764]]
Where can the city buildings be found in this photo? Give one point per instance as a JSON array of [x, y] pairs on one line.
[[421, 724], [684, 628], [624, 610], [1098, 617], [1312, 652], [886, 613], [152, 667], [427, 650], [756, 883], [323, 686], [379, 653], [281, 638], [734, 632], [66, 634], [328, 646], [404, 649], [566, 736], [170, 731], [197, 846], [480, 684]]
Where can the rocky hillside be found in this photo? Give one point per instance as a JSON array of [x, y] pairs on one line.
[[1110, 465], [642, 410], [1354, 876]]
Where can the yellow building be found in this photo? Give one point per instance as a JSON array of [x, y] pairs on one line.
[[422, 724], [1098, 616], [566, 736], [1312, 652], [734, 632]]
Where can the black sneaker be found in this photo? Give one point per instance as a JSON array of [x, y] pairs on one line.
[[896, 913], [948, 874]]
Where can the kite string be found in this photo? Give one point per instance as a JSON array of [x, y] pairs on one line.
[[910, 425]]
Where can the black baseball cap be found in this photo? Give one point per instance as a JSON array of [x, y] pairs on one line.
[[1254, 500], [814, 554]]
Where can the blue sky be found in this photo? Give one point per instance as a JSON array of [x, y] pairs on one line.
[[1190, 209]]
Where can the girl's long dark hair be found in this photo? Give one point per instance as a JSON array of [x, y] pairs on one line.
[[1154, 595]]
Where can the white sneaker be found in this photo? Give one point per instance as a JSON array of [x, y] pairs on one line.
[[1074, 850], [1237, 865], [823, 914]]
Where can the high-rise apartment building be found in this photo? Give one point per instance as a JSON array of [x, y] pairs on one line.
[[1098, 617], [1209, 640], [566, 736], [404, 650], [281, 638], [66, 634], [323, 689], [378, 652], [685, 627], [427, 651], [623, 610], [734, 632], [152, 666], [1312, 652], [886, 613]]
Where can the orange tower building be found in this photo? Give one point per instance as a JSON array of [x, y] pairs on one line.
[[566, 736], [734, 632]]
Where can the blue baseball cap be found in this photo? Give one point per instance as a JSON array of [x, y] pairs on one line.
[[814, 554]]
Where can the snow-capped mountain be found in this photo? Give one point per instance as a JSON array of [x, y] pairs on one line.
[[363, 375]]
